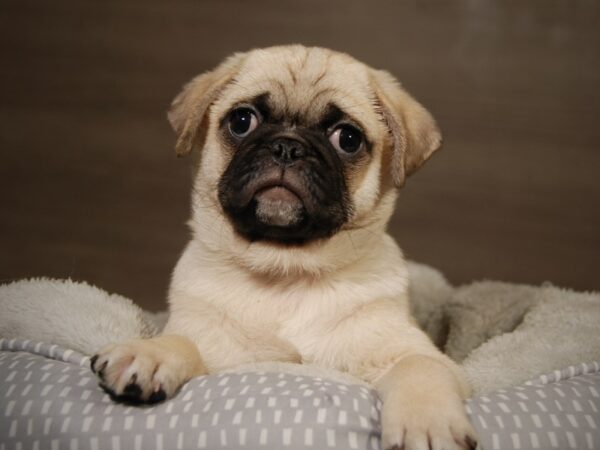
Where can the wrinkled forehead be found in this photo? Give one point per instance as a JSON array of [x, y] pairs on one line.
[[304, 83]]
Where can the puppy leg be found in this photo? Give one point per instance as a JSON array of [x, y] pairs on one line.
[[423, 406], [147, 370]]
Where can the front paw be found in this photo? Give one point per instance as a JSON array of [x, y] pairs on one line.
[[138, 371], [427, 426]]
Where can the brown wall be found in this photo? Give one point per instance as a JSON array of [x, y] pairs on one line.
[[90, 188]]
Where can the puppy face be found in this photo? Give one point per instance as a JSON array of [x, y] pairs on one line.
[[299, 144], [286, 181]]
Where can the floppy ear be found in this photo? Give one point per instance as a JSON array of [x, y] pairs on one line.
[[414, 131], [189, 109]]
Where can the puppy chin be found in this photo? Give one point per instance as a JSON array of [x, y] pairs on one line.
[[278, 210], [278, 207], [314, 259]]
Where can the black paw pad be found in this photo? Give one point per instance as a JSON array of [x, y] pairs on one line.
[[132, 395], [132, 390], [157, 396]]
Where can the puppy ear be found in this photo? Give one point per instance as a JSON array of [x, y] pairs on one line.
[[189, 109], [414, 131]]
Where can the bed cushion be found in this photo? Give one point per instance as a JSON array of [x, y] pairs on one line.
[[56, 403], [49, 400]]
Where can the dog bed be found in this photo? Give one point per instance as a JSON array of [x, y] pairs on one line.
[[50, 399]]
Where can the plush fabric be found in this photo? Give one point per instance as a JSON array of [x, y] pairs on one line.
[[71, 314], [504, 333], [521, 331]]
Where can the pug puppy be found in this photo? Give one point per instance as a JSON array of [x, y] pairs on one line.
[[301, 155]]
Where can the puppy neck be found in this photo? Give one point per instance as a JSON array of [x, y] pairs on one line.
[[217, 240]]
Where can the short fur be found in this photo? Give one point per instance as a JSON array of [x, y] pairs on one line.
[[338, 299]]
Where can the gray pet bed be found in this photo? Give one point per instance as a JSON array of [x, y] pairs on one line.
[[49, 399]]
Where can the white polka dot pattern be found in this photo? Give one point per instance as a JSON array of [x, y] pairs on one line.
[[50, 400]]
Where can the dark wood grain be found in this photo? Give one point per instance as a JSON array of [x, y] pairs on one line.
[[90, 187]]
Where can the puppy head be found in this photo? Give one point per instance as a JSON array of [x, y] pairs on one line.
[[299, 144]]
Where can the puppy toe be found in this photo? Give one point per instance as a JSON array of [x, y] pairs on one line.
[[464, 435], [165, 383], [417, 441], [132, 389], [157, 396], [466, 441], [471, 442], [136, 381], [393, 439]]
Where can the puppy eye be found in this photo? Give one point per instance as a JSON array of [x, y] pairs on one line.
[[346, 138], [242, 121]]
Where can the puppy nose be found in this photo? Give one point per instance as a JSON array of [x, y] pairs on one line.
[[286, 151]]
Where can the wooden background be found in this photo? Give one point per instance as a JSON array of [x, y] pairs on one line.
[[90, 187]]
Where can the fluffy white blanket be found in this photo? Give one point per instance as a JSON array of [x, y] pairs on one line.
[[502, 333]]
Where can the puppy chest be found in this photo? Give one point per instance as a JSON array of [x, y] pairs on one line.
[[308, 323]]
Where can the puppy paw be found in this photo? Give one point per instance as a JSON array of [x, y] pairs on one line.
[[426, 427], [143, 370]]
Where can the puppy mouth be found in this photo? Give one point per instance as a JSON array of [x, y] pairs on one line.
[[285, 204], [278, 202]]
